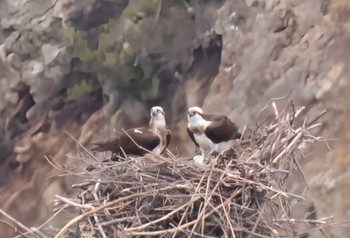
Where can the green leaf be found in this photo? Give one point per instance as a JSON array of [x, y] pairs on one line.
[[82, 51], [79, 90], [70, 34]]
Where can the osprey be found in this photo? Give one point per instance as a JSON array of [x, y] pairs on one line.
[[138, 141], [210, 132]]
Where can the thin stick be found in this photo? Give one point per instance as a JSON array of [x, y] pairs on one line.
[[324, 220], [296, 138], [212, 192], [137, 144], [228, 219], [74, 204], [86, 150], [93, 211], [179, 227], [272, 100], [47, 221], [15, 228], [164, 217], [195, 192], [21, 225], [257, 220], [275, 110], [315, 119], [96, 188]]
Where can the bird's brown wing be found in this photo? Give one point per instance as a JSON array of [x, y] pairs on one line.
[[133, 141], [110, 144], [190, 134], [213, 117], [221, 130]]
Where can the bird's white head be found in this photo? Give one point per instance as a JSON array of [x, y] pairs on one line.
[[194, 111], [195, 117], [157, 116]]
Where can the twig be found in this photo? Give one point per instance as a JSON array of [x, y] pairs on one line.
[[76, 141], [74, 204], [316, 119], [273, 100], [205, 204], [93, 211], [136, 143], [97, 186], [279, 156], [257, 220], [19, 224], [47, 221], [162, 218], [194, 194], [324, 220], [275, 109], [228, 219]]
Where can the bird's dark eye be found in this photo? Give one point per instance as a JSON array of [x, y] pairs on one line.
[[192, 113]]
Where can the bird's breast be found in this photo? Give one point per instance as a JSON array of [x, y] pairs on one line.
[[159, 148], [203, 141], [197, 129], [163, 141]]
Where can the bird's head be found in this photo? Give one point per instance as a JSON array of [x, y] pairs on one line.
[[195, 116], [194, 112], [157, 116]]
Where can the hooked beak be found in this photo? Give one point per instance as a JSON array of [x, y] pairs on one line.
[[155, 112], [191, 113]]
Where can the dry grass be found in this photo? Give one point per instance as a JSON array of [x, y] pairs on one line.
[[239, 193]]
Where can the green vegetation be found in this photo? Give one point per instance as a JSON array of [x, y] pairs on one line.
[[148, 7], [79, 90], [126, 47]]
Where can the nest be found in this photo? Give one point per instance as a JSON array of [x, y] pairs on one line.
[[238, 193]]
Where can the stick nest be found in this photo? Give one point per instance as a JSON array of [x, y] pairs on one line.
[[239, 193]]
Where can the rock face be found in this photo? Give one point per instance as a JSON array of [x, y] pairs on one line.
[[72, 70], [281, 46]]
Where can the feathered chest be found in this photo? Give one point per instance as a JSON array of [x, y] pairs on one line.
[[198, 128]]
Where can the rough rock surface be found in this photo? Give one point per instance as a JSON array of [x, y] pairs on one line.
[[59, 73]]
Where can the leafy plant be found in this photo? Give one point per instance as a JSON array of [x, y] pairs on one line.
[[79, 90]]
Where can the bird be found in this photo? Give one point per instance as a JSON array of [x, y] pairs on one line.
[[210, 132], [138, 141]]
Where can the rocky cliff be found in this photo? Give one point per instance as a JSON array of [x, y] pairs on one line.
[[77, 70]]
